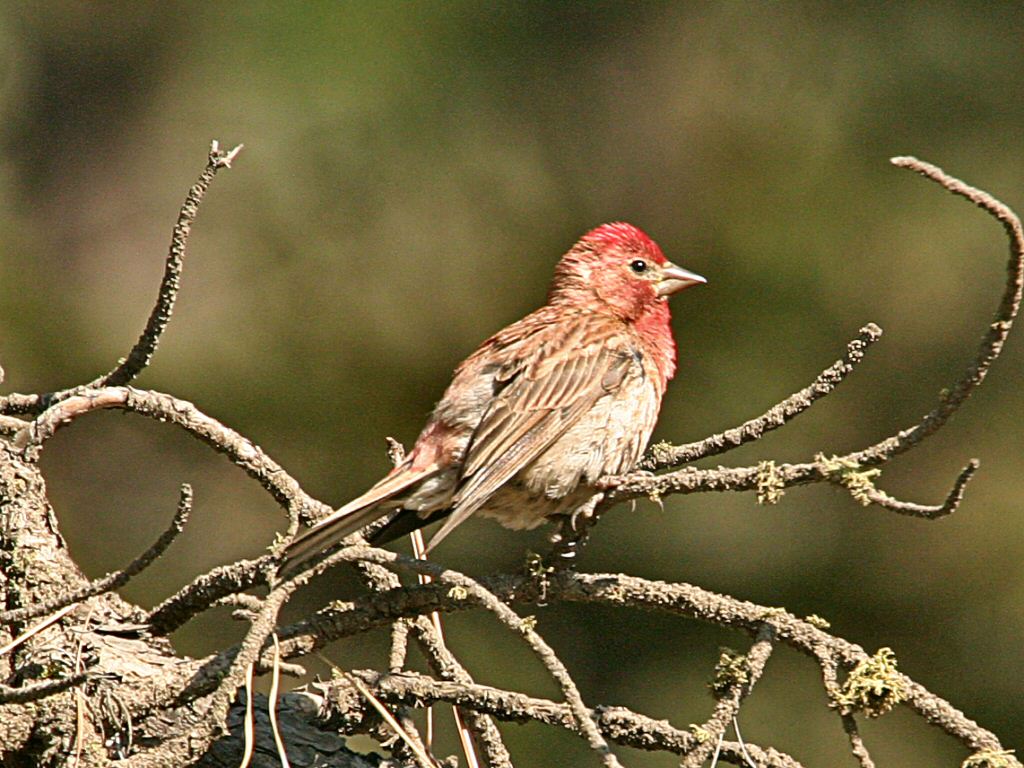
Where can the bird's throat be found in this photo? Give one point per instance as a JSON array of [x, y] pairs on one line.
[[654, 327]]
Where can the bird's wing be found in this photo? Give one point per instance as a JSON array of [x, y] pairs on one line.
[[545, 393], [354, 515]]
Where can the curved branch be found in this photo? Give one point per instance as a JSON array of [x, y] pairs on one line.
[[162, 407], [995, 336], [930, 512], [688, 480], [837, 469]]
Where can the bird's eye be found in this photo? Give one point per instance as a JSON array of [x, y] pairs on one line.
[[638, 265]]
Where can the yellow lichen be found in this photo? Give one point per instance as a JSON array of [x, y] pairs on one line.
[[859, 482], [873, 687], [770, 486], [700, 733], [990, 758], [730, 671], [278, 539]]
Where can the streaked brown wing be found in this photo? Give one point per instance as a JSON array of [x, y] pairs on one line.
[[545, 395]]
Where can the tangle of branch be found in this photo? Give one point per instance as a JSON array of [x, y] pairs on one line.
[[202, 693]]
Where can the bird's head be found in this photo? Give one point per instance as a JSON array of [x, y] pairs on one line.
[[618, 268]]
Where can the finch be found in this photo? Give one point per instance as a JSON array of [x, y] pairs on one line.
[[543, 409]]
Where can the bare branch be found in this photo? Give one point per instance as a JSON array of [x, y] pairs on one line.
[[205, 591], [162, 407], [618, 590], [142, 353], [145, 347], [933, 512], [664, 455], [618, 724], [688, 480], [995, 335], [841, 470]]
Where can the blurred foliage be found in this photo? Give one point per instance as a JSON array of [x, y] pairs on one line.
[[413, 170]]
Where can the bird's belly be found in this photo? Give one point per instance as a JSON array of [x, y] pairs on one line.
[[608, 440], [515, 507]]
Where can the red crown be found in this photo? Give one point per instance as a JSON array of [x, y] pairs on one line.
[[621, 234]]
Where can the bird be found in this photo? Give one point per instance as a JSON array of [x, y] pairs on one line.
[[542, 409]]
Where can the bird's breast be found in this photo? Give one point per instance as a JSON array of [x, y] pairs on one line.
[[609, 439]]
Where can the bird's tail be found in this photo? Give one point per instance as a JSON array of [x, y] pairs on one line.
[[350, 518]]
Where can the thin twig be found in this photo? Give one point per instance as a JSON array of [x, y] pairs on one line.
[[930, 512], [142, 353], [996, 333], [731, 698], [145, 347], [857, 746], [723, 479], [664, 455]]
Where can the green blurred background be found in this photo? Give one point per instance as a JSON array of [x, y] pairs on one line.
[[412, 171]]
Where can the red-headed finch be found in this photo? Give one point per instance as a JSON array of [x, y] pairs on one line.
[[544, 408]]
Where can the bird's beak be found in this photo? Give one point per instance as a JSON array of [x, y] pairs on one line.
[[674, 279]]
